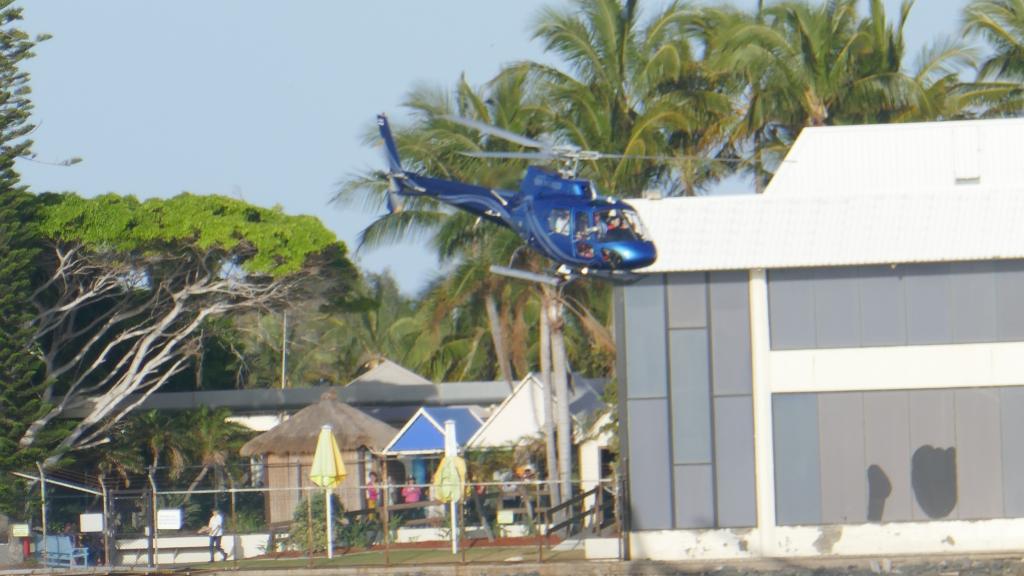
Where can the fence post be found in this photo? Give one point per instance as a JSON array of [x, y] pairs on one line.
[[154, 551], [309, 528], [234, 525], [387, 516], [106, 522], [541, 527], [42, 506]]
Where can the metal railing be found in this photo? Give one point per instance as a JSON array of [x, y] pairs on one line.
[[510, 514]]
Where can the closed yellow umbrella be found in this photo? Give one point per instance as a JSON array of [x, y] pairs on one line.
[[327, 472]]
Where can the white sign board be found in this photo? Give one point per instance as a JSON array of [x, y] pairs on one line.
[[19, 530], [90, 522], [168, 519]]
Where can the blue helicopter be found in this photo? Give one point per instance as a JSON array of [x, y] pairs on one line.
[[555, 213]]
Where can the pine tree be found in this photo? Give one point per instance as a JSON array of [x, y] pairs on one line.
[[20, 369]]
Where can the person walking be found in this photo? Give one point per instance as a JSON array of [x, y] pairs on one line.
[[215, 528]]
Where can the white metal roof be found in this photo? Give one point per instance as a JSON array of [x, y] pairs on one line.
[[916, 158], [860, 195]]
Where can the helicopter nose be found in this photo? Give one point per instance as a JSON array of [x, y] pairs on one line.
[[629, 256], [636, 255]]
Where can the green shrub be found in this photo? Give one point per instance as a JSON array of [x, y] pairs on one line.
[[298, 533]]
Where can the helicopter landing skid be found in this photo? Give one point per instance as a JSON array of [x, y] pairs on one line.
[[563, 275], [518, 274]]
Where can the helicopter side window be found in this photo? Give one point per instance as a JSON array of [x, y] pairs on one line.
[[582, 225], [583, 234], [558, 222]]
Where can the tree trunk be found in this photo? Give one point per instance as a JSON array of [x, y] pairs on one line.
[[560, 384], [195, 482], [545, 372], [498, 338]]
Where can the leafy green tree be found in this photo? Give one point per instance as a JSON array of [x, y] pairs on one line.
[[131, 285]]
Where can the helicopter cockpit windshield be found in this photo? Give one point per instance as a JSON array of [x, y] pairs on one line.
[[618, 225]]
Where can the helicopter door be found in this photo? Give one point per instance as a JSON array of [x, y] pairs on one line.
[[583, 235]]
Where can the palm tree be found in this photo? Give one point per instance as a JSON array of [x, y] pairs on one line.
[[635, 89], [371, 328], [161, 435], [814, 64], [1000, 23], [434, 145], [214, 440]]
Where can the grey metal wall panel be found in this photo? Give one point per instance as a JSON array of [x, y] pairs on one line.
[[687, 300], [883, 316], [691, 396], [797, 459], [932, 454], [694, 496], [973, 297], [915, 304], [730, 333], [1012, 429], [979, 454], [646, 366], [928, 302], [734, 461], [843, 478], [887, 446], [1009, 279], [791, 309], [650, 470], [837, 308]]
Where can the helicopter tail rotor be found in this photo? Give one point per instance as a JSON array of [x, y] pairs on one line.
[[399, 182]]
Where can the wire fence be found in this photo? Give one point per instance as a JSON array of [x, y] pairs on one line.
[[145, 522]]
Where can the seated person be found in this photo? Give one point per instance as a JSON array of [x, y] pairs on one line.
[[616, 228], [584, 250]]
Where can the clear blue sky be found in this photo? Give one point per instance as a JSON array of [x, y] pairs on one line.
[[267, 100]]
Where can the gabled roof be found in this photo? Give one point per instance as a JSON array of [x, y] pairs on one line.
[[424, 432], [389, 372], [933, 192], [521, 416]]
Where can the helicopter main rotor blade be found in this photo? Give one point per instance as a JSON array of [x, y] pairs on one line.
[[495, 131], [515, 155], [587, 155]]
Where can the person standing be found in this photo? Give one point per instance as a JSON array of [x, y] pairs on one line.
[[215, 528]]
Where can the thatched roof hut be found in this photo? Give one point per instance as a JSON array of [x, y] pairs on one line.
[[288, 449], [353, 428]]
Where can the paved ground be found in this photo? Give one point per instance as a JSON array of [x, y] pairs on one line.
[[513, 562]]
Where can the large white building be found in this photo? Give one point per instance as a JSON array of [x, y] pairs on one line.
[[835, 367]]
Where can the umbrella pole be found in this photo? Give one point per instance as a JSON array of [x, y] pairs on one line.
[[455, 529], [330, 538]]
